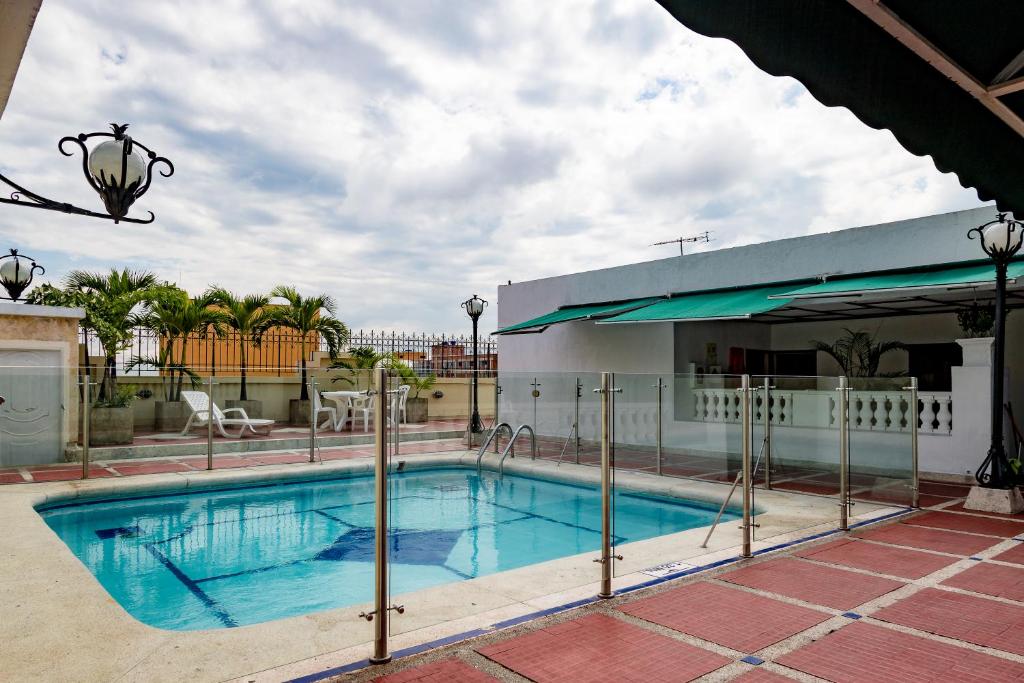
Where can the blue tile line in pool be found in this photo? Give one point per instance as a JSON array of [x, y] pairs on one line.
[[466, 635]]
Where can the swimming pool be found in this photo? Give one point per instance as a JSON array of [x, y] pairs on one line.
[[232, 557]]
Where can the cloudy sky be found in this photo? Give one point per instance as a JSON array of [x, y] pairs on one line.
[[401, 155]]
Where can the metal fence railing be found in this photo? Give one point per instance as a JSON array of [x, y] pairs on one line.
[[445, 355]]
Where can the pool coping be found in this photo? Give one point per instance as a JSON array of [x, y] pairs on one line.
[[39, 569]]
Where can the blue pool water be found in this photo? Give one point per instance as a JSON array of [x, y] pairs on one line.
[[232, 557]]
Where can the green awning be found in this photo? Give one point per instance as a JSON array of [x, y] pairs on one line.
[[731, 304], [959, 277], [581, 312]]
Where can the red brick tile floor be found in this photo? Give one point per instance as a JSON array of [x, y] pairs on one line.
[[833, 610]]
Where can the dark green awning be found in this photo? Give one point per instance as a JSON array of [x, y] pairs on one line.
[[569, 313], [959, 277], [731, 304], [941, 87]]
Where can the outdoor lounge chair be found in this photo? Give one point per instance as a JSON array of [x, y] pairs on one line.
[[199, 403], [334, 420]]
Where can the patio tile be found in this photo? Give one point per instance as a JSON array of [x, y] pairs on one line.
[[929, 539], [1014, 554], [727, 616], [968, 523], [599, 647], [807, 486], [150, 468], [991, 579], [964, 617], [11, 478], [925, 500], [444, 671], [959, 507], [937, 488], [836, 588], [864, 653], [69, 475], [909, 564]]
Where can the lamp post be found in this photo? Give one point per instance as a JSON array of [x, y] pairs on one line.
[[1000, 240], [116, 169], [16, 275], [475, 308]]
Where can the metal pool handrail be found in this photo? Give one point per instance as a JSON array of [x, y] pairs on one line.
[[511, 443], [490, 437]]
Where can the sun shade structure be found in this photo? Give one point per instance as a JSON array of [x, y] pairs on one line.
[[569, 313], [946, 279], [945, 76], [731, 304]]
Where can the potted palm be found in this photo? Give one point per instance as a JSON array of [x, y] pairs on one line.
[[858, 353], [416, 406], [360, 364], [310, 317], [249, 316], [110, 301]]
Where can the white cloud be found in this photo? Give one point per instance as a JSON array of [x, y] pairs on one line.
[[403, 155]]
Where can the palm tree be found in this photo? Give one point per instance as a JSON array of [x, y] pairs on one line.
[[857, 353], [249, 316], [176, 318], [308, 316], [110, 312]]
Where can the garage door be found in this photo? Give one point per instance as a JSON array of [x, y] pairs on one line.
[[31, 416]]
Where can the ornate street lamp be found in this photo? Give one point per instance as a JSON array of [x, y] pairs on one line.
[[116, 169], [1001, 239], [16, 275], [475, 308]]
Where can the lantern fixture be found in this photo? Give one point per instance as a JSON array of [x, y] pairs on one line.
[[116, 169], [475, 308], [1001, 239], [17, 273]]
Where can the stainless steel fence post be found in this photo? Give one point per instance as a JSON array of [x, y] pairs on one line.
[[914, 416], [380, 612], [659, 386], [209, 424], [844, 454], [766, 411], [395, 417], [607, 381], [748, 479], [86, 412], [312, 419], [576, 417], [497, 400]]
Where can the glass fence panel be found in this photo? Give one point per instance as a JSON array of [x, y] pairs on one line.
[[881, 446], [475, 545], [38, 416], [803, 414], [695, 424]]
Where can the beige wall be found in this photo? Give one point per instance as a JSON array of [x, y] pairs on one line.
[[275, 392]]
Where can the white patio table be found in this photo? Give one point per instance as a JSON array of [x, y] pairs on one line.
[[345, 400]]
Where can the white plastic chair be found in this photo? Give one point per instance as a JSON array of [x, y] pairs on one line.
[[335, 421], [403, 396], [363, 404], [199, 402]]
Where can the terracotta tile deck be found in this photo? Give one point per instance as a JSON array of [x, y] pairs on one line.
[[445, 671], [991, 579], [974, 524], [836, 588], [977, 620], [727, 616], [929, 539], [1014, 554], [602, 648], [908, 564], [864, 653]]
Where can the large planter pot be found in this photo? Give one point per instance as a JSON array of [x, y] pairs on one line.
[[977, 351], [416, 410], [111, 426], [253, 409], [171, 416], [298, 412]]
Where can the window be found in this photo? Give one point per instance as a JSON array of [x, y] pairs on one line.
[[932, 364]]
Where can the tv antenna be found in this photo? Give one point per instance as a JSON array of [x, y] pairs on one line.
[[702, 237]]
